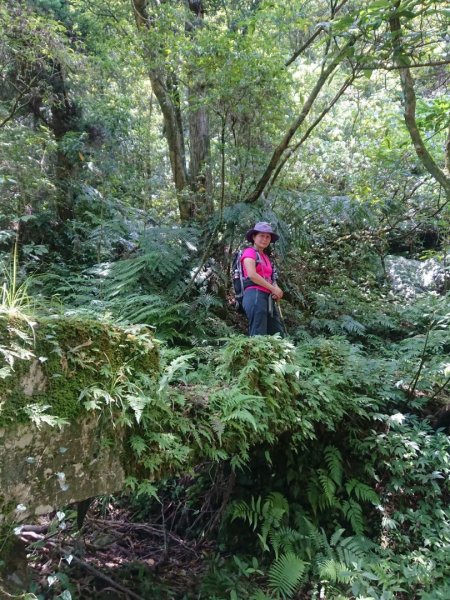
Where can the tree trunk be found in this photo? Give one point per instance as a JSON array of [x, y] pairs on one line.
[[165, 88], [193, 187], [447, 152], [200, 155], [166, 93], [402, 60], [64, 117], [199, 136]]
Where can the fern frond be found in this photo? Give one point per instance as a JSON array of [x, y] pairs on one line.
[[351, 550], [333, 571], [285, 574], [242, 414], [312, 536], [218, 427], [285, 539], [337, 535], [350, 325], [353, 513], [313, 494], [239, 461], [333, 460], [361, 491], [246, 512], [138, 444], [328, 488], [275, 505], [260, 595]]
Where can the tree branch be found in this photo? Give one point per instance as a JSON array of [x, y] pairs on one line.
[[307, 133], [302, 48], [283, 145], [402, 62], [447, 151], [311, 39], [15, 107], [432, 63], [100, 575]]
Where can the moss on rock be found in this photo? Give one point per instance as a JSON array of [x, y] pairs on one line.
[[48, 366], [52, 361]]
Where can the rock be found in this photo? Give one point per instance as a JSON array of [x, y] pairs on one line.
[[37, 478], [60, 438], [411, 277]]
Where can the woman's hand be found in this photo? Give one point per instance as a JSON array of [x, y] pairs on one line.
[[277, 293], [250, 267]]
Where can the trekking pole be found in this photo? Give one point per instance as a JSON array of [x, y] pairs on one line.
[[282, 318]]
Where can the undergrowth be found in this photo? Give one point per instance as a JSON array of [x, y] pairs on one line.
[[307, 462]]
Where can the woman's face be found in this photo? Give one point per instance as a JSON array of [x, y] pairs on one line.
[[262, 240]]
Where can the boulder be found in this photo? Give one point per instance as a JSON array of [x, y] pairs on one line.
[[61, 398]]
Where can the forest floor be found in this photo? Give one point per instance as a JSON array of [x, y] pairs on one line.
[[112, 557]]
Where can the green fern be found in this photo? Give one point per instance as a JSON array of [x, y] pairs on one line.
[[353, 513], [333, 460], [335, 538], [247, 512], [334, 571], [285, 539], [138, 445], [340, 559], [311, 536], [260, 595], [268, 514], [351, 325], [328, 486], [352, 550], [285, 574], [361, 492], [237, 411], [274, 510]]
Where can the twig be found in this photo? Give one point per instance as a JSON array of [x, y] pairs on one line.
[[147, 528], [34, 528], [439, 390], [413, 384], [5, 594], [101, 575], [310, 40], [202, 263], [383, 66], [225, 501]]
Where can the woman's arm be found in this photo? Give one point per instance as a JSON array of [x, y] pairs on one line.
[[250, 267]]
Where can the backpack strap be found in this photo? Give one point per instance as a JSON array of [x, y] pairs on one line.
[[258, 258]]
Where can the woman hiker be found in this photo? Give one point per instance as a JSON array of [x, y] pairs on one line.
[[261, 292]]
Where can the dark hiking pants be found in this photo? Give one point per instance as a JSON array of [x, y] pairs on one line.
[[257, 308]]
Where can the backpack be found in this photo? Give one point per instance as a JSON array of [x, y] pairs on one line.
[[239, 281]]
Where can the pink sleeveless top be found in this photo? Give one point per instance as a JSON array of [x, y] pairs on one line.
[[263, 268]]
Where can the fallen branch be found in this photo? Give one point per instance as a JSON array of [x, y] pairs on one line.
[[100, 575]]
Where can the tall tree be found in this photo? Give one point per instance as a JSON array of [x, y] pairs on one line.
[[403, 60], [193, 183], [36, 83]]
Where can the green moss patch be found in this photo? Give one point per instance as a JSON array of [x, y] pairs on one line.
[[48, 363]]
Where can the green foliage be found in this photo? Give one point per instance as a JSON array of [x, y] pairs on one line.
[[285, 575], [14, 295], [66, 353], [15, 320], [145, 288], [324, 433], [267, 515]]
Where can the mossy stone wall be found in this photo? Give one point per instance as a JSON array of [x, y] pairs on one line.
[[46, 468], [52, 450]]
